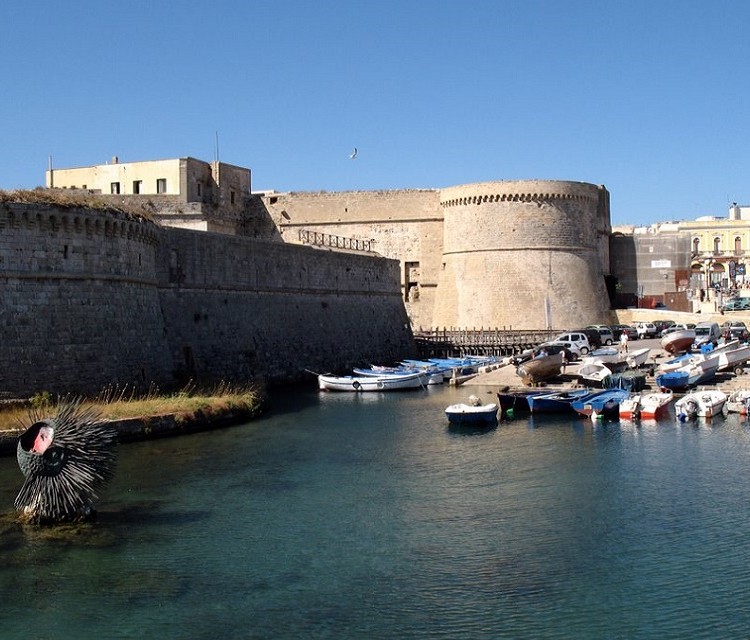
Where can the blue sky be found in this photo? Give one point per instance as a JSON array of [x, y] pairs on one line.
[[643, 96]]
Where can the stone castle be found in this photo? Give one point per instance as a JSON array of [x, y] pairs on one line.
[[225, 284]]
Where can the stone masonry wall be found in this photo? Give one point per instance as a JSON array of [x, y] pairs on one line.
[[93, 298], [80, 304], [404, 225], [278, 309]]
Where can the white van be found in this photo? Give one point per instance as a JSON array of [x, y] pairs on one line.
[[578, 340]]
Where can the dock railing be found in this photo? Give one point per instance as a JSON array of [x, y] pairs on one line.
[[501, 341]]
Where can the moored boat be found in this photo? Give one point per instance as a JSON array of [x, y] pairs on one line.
[[558, 402], [600, 404], [648, 406], [701, 404], [514, 402], [371, 383], [738, 402], [472, 412]]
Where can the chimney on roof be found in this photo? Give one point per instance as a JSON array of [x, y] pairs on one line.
[[115, 159]]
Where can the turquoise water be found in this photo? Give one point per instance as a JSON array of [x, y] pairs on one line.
[[344, 516]]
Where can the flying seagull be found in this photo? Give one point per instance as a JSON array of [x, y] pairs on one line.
[[353, 154]]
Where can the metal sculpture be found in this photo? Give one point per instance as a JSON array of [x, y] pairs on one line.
[[66, 460]]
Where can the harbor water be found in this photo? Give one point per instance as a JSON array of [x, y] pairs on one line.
[[344, 515]]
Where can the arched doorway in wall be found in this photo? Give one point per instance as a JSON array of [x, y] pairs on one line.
[[697, 281], [718, 275]]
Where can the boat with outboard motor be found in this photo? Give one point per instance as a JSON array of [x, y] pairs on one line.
[[647, 406], [705, 403]]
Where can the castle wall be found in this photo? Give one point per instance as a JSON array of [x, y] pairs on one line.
[[481, 255], [80, 303], [523, 254], [92, 298], [404, 225], [277, 309]]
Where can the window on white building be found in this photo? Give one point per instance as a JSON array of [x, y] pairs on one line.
[[161, 185], [137, 184], [114, 187]]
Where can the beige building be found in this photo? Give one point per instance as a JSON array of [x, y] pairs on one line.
[[182, 192]]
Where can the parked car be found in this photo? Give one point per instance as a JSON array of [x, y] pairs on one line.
[[573, 352], [706, 332], [735, 330], [552, 347], [595, 340], [577, 338], [681, 326], [605, 333], [619, 329], [737, 304], [645, 329], [662, 324]]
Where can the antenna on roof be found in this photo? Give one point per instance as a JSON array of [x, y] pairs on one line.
[[216, 150]]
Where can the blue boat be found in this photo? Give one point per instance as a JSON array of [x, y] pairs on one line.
[[601, 403], [688, 376], [558, 402]]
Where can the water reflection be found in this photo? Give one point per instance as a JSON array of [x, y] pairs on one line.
[[371, 517]]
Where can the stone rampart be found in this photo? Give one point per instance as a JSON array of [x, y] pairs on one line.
[[478, 255], [92, 298], [406, 225]]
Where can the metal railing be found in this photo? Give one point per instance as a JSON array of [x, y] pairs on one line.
[[487, 342], [319, 239]]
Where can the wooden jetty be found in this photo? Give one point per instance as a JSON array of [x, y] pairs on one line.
[[446, 343]]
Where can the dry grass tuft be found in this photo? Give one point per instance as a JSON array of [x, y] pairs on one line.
[[119, 403], [74, 199]]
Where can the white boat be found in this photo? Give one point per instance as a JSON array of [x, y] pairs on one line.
[[593, 374], [472, 413], [733, 358], [648, 406], [700, 404], [637, 358], [372, 383], [434, 375], [604, 355], [737, 402]]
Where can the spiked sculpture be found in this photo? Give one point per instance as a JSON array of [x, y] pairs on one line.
[[66, 459]]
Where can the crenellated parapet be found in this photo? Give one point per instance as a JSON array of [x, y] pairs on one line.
[[78, 221]]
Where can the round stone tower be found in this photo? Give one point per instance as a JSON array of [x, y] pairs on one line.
[[524, 254]]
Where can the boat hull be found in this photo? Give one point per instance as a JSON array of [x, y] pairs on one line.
[[540, 369], [357, 384], [678, 341], [469, 414], [700, 404]]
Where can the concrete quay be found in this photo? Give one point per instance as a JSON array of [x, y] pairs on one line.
[[505, 376]]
